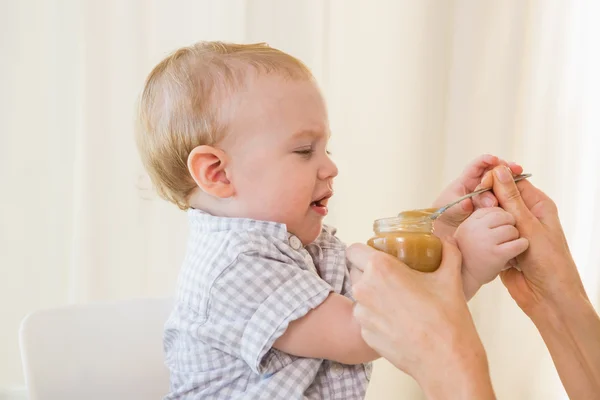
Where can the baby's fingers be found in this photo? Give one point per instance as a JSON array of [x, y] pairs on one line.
[[513, 248], [479, 166], [505, 233], [515, 168], [498, 217], [485, 200]]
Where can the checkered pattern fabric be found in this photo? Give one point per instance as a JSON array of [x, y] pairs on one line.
[[242, 282]]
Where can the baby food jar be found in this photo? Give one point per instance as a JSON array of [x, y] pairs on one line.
[[409, 237]]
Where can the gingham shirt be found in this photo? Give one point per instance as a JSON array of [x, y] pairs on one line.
[[242, 282]]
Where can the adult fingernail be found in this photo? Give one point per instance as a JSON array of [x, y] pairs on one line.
[[486, 180], [503, 174]]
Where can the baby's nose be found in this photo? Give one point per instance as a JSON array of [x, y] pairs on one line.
[[328, 171]]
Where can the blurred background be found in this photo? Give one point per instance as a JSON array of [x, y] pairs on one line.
[[416, 89]]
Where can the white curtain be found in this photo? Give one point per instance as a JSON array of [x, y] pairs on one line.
[[416, 89]]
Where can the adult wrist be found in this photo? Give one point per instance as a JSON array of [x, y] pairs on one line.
[[558, 304], [465, 376], [558, 312]]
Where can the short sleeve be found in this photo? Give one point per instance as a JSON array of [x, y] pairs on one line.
[[253, 301]]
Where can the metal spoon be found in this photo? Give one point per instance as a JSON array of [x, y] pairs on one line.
[[439, 211]]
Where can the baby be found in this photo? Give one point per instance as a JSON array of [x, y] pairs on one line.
[[237, 135]]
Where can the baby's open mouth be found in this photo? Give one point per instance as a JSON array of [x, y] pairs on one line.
[[320, 205], [322, 202]]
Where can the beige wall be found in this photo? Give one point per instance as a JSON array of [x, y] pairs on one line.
[[415, 90]]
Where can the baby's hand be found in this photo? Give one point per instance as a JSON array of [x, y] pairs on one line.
[[488, 240], [467, 182]]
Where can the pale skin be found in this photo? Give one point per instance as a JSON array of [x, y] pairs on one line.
[[498, 241], [549, 289], [391, 297], [468, 181], [420, 322], [274, 165]]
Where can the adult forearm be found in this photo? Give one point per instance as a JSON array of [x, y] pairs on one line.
[[570, 328], [467, 377]]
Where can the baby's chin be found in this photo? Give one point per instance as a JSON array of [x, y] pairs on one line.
[[311, 234]]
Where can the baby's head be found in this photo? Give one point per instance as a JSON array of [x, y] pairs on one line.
[[238, 131]]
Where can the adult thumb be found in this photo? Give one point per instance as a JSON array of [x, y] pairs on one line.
[[451, 260], [509, 196]]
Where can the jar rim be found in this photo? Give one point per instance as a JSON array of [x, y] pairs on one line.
[[407, 221]]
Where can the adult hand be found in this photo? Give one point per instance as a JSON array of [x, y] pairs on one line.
[[420, 322], [547, 270], [548, 287]]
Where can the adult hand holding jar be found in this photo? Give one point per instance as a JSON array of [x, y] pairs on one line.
[[420, 322]]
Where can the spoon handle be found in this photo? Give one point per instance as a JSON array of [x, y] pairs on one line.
[[439, 212]]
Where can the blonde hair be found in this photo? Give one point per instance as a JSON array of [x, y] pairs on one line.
[[183, 101]]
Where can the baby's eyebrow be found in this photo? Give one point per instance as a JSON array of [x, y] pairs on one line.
[[311, 133]]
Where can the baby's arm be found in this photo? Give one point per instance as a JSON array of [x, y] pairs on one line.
[[329, 332], [488, 240]]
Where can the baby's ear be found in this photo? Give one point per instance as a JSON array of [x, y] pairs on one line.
[[207, 166]]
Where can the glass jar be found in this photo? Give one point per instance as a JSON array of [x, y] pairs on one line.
[[409, 237]]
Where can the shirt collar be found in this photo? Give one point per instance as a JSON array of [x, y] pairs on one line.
[[205, 222]]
